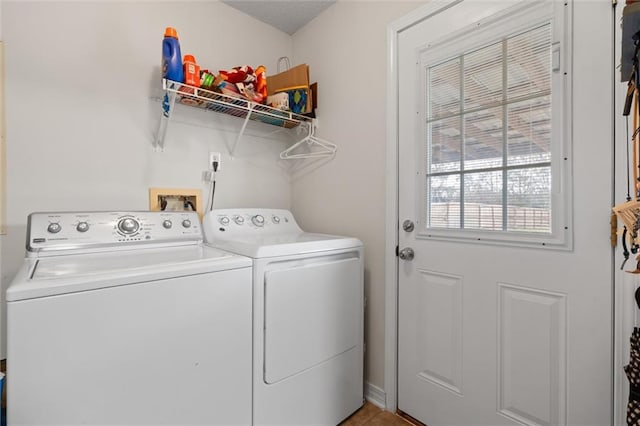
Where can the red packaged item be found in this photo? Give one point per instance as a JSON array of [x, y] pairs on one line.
[[191, 71]]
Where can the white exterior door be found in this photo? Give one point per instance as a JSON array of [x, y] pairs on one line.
[[501, 327]]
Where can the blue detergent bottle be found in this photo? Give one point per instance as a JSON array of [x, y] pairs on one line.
[[171, 56]]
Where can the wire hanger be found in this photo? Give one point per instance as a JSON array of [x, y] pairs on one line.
[[317, 147]]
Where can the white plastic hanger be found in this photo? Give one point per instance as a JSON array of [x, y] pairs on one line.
[[317, 147]]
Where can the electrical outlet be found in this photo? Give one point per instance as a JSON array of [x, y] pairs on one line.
[[215, 156]]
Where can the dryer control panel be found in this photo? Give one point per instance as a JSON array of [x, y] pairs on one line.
[[86, 231], [250, 221]]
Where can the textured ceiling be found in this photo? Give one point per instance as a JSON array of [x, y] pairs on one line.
[[286, 15]]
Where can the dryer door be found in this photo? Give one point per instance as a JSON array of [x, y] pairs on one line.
[[312, 313]]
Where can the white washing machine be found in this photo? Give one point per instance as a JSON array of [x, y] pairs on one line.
[[127, 318], [307, 315]]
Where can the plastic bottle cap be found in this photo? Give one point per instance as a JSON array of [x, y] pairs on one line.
[[189, 58], [170, 32]]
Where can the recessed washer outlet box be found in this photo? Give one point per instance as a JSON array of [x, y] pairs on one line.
[[175, 199]]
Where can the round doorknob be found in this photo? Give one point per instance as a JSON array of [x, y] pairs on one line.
[[406, 253]]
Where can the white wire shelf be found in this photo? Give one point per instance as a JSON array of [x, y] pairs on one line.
[[217, 102]]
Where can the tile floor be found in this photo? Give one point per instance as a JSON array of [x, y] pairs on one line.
[[370, 415]]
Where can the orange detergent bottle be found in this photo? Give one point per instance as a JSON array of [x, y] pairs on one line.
[[191, 71]]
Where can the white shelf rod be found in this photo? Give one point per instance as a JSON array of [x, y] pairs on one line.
[[242, 129], [168, 102]]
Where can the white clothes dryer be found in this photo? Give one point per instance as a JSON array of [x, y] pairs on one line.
[[307, 315], [125, 318]]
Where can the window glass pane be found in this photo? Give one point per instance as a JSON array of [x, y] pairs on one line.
[[529, 200], [444, 151], [483, 200], [470, 100], [443, 90], [444, 201], [483, 138], [529, 131], [483, 77], [529, 63]]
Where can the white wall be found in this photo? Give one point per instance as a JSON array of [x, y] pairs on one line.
[[80, 121], [346, 49]]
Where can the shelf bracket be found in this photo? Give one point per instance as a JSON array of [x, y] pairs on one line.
[[168, 102], [244, 126]]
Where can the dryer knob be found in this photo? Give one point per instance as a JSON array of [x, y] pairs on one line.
[[275, 219], [54, 228], [224, 220], [167, 224], [186, 223], [258, 220], [82, 227], [238, 219]]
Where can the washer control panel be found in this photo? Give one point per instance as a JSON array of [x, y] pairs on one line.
[[88, 230], [249, 221]]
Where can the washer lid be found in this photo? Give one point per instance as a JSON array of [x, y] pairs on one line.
[[271, 245], [65, 274]]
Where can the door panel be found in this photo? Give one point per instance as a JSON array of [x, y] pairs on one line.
[[439, 339], [521, 387], [502, 335]]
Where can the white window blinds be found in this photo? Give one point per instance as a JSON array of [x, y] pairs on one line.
[[488, 136]]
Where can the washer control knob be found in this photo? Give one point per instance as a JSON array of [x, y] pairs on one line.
[[224, 220], [275, 219], [186, 223], [258, 220], [238, 219], [128, 225], [82, 227], [166, 224], [54, 228]]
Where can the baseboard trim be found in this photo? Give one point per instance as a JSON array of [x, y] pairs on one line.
[[375, 395]]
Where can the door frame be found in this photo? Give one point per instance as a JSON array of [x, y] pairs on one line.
[[394, 29]]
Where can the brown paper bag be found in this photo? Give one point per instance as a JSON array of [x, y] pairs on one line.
[[291, 79], [294, 78]]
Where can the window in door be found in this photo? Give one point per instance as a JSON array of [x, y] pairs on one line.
[[489, 137]]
